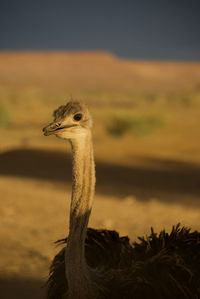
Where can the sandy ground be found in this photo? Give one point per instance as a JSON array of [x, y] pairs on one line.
[[35, 199]]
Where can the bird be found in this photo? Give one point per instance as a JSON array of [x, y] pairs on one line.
[[98, 263]]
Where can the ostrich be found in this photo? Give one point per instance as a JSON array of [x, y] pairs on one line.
[[98, 263]]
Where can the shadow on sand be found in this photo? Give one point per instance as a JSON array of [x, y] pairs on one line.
[[172, 179], [15, 288]]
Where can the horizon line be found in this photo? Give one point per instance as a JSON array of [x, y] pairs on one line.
[[100, 52]]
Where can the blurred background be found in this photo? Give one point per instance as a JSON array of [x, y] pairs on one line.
[[136, 64]]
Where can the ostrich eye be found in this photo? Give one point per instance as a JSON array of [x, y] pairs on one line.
[[78, 116]]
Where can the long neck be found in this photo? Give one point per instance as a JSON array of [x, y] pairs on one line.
[[77, 271]]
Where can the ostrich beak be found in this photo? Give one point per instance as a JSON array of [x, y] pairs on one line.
[[54, 127], [51, 128]]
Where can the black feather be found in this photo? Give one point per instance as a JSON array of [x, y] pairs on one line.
[[164, 266]]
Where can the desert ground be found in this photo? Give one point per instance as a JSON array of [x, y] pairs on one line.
[[147, 150]]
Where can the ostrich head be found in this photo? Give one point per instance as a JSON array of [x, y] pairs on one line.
[[71, 121]]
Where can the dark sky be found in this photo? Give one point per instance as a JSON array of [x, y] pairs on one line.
[[151, 29]]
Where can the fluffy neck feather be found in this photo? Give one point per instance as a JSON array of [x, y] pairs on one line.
[[77, 271]]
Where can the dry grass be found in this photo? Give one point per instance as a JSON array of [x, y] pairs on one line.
[[142, 181]]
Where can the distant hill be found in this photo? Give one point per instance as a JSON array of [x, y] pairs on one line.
[[94, 70]]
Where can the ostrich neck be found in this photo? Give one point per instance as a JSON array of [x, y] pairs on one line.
[[83, 186]]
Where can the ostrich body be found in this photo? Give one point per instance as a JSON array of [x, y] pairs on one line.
[[98, 263]]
